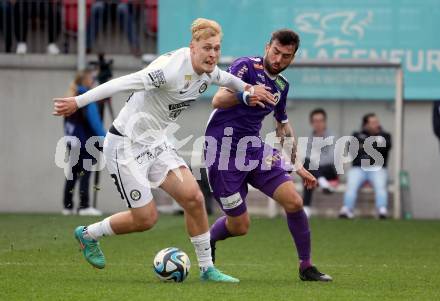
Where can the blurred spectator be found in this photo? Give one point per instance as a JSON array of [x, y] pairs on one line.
[[436, 118], [126, 17], [375, 174], [16, 16], [6, 23], [83, 124], [320, 164]]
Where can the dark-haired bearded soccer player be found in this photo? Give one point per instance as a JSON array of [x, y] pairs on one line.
[[238, 116]]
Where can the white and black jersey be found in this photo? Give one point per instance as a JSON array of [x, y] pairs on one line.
[[161, 92]]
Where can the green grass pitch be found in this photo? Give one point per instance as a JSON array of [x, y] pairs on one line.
[[368, 259]]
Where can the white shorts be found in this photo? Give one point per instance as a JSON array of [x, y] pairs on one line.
[[135, 168]]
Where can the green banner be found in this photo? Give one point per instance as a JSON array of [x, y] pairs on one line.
[[397, 30]]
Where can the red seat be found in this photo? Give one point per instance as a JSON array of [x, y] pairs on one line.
[[151, 16], [70, 8]]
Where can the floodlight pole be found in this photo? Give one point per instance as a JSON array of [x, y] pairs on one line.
[[81, 57], [398, 130]]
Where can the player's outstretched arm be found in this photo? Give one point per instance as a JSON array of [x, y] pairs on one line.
[[253, 96], [224, 98], [249, 95], [67, 106], [285, 132]]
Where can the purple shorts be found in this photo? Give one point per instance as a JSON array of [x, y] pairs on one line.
[[229, 183]]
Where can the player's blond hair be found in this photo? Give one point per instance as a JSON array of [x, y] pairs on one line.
[[202, 28]]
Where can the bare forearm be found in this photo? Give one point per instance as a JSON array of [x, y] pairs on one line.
[[287, 139], [284, 130], [224, 98]]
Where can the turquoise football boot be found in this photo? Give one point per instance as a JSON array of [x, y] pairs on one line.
[[212, 274], [90, 249]]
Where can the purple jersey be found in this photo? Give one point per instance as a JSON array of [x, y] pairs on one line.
[[228, 177], [245, 120]]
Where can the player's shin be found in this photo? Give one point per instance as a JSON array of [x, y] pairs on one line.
[[299, 229]]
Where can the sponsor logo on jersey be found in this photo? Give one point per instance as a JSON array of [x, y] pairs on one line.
[[135, 195], [177, 108], [280, 84], [242, 71], [157, 78], [255, 59], [261, 76], [141, 156], [232, 201]]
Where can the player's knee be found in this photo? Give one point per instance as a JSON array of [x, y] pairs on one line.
[[240, 228], [146, 222], [193, 200], [294, 204]]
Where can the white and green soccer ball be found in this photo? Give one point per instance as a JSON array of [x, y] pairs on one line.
[[171, 264]]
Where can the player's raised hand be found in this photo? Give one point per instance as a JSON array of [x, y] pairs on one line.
[[309, 180], [64, 106], [260, 96]]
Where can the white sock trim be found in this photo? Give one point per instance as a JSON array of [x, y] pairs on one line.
[[100, 229], [107, 228]]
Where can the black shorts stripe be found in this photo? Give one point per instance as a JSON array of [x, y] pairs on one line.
[[120, 181]]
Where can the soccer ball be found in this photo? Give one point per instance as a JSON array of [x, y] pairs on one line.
[[171, 264]]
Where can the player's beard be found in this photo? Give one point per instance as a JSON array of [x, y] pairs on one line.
[[270, 70]]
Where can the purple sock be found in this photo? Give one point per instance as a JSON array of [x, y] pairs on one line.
[[299, 229], [219, 230]]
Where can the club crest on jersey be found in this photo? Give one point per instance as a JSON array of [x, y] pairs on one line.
[[203, 87], [277, 97], [157, 78], [135, 195], [262, 77]]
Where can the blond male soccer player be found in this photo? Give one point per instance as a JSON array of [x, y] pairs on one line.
[[137, 152]]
